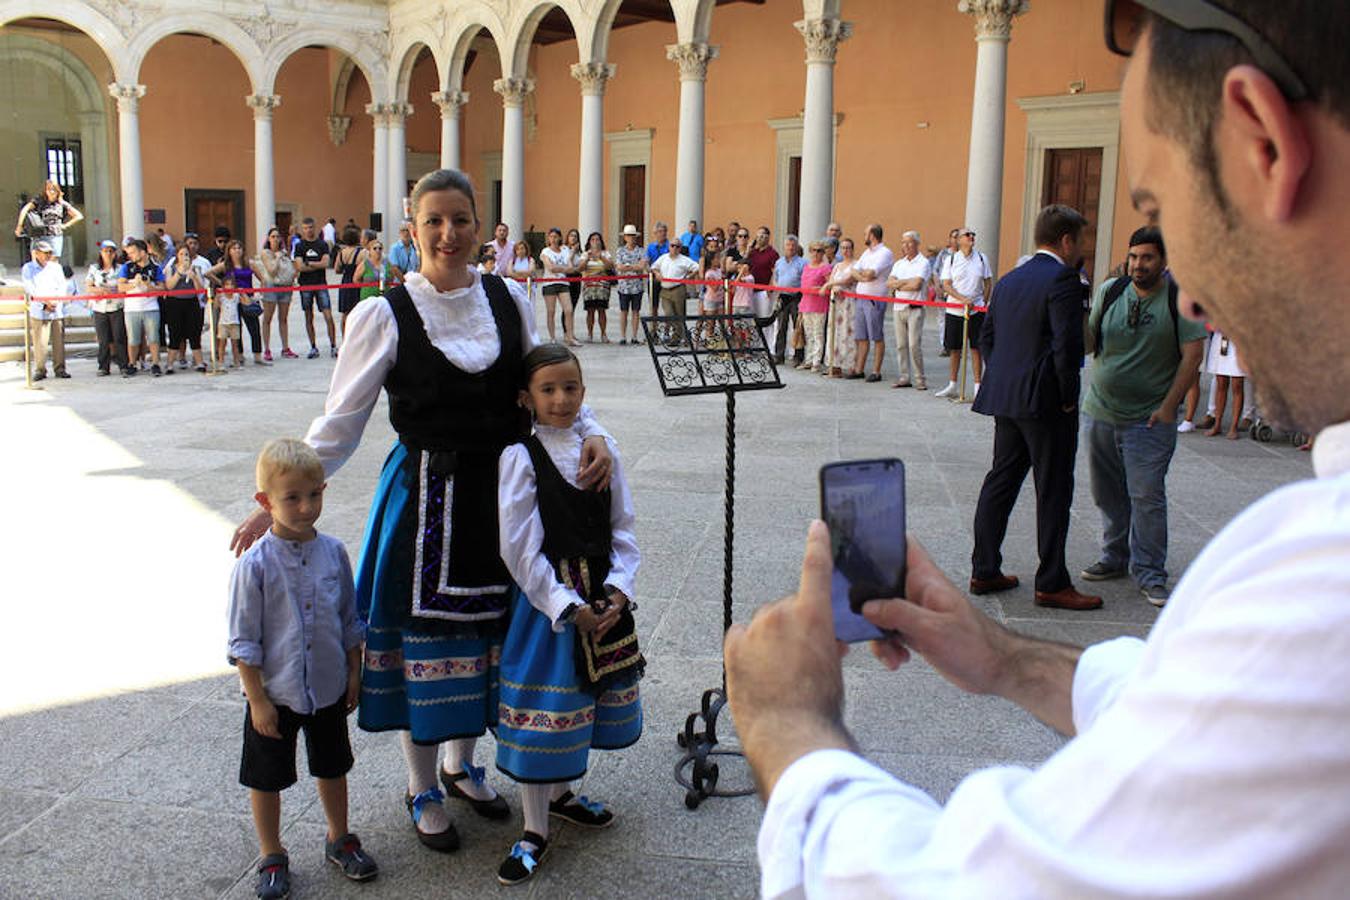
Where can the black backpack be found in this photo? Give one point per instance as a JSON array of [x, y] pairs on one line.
[[1114, 292]]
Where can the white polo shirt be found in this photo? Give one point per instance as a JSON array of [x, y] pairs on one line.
[[879, 260], [967, 275], [904, 270]]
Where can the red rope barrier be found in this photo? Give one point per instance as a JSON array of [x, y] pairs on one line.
[[196, 292]]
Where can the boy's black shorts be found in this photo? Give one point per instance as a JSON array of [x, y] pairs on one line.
[[268, 764]]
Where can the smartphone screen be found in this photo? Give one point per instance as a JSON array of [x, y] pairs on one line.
[[863, 503]]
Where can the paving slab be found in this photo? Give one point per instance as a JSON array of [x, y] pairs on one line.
[[120, 754]]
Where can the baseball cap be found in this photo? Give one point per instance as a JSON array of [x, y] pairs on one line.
[[966, 229], [42, 246], [190, 234], [111, 245]]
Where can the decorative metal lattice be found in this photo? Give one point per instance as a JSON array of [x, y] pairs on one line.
[[709, 354]]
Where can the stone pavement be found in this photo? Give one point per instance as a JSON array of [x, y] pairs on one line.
[[120, 722]]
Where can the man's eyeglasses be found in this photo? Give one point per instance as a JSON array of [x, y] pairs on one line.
[[1125, 22]]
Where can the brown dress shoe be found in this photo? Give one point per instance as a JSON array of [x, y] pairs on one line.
[[993, 585], [1069, 598]]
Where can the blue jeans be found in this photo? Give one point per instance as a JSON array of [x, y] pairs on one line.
[[1128, 466]]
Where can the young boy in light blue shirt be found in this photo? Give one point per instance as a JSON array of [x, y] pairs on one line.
[[296, 638]]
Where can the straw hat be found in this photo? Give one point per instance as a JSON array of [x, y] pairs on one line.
[[630, 229]]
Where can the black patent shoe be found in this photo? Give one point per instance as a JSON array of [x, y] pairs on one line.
[[440, 841], [495, 808], [521, 863]]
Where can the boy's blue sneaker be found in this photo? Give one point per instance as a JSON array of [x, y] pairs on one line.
[[347, 855], [274, 877]]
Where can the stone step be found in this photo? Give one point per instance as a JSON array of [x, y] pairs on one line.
[[80, 350], [13, 337]]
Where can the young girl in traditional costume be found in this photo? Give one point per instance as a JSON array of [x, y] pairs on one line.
[[446, 346], [570, 663]]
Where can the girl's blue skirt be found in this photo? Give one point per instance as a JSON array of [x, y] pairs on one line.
[[547, 725]]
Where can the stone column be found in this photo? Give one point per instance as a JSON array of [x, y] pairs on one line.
[[398, 166], [379, 202], [822, 38], [692, 58], [590, 186], [984, 171], [128, 98], [450, 103], [264, 190], [513, 91]]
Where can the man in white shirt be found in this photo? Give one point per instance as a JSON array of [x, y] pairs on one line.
[[966, 278], [43, 277], [869, 316], [330, 234], [674, 297], [1212, 759], [909, 277]]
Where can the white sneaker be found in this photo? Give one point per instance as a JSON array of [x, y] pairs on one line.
[[1185, 426], [975, 393], [948, 391]]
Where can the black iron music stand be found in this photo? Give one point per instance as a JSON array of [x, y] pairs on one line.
[[711, 355]]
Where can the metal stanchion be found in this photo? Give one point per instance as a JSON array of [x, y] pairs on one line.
[[965, 351], [211, 330], [529, 287], [27, 341]]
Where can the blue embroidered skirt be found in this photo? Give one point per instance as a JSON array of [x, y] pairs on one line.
[[547, 724], [435, 681]]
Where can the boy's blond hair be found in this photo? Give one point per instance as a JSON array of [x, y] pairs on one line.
[[284, 455]]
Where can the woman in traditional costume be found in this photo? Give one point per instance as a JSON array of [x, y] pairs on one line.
[[447, 347]]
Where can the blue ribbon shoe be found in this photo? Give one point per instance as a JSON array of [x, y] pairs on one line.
[[495, 808], [526, 855], [440, 841]]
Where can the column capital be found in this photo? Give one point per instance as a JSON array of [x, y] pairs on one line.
[[822, 38], [513, 90], [387, 114], [593, 76], [450, 102], [692, 58], [263, 104], [128, 96], [337, 129], [993, 18]]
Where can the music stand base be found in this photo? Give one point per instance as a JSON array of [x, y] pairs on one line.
[[699, 747]]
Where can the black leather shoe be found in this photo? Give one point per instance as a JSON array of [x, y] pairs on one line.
[[495, 808], [440, 841]]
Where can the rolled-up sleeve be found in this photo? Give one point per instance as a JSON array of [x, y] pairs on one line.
[[245, 614], [1102, 671]]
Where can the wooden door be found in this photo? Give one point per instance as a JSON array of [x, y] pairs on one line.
[[1074, 177], [210, 212], [633, 197], [794, 210], [284, 221]]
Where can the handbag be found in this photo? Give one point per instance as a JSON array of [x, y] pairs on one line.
[[799, 335]]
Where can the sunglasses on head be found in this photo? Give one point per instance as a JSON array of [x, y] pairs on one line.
[[1125, 24]]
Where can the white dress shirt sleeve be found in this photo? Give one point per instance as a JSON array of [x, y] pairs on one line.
[[624, 557], [368, 353], [521, 533]]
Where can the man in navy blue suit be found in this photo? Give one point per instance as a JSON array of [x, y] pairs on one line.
[[1032, 343]]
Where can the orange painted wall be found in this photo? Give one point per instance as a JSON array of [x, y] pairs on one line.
[[902, 66], [905, 64], [197, 132]]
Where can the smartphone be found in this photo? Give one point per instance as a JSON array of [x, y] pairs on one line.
[[863, 503]]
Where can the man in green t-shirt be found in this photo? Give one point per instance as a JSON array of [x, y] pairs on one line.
[[1146, 358]]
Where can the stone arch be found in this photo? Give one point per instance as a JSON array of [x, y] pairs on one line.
[[366, 58], [459, 50], [217, 28], [404, 58], [695, 24], [598, 43], [92, 111], [519, 48], [102, 30]]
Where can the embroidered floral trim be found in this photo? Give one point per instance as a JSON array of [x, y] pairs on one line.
[[450, 667], [618, 698], [545, 720], [377, 661]]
